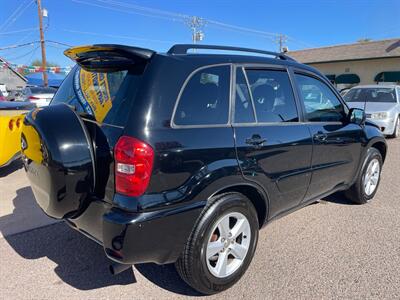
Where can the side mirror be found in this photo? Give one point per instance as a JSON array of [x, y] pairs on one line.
[[357, 116]]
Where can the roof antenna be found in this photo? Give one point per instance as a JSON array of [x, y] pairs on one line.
[[365, 104]]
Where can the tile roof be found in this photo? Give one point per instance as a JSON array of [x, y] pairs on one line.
[[362, 50]]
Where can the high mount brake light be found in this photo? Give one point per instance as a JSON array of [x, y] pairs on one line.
[[133, 166]]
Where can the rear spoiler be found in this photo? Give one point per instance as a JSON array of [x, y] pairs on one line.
[[109, 57]]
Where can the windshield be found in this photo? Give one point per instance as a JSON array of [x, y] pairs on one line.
[[105, 96], [383, 95]]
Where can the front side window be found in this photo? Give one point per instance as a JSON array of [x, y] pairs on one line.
[[205, 98], [272, 96], [321, 104]]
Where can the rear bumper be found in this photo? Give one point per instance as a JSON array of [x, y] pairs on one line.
[[130, 238]]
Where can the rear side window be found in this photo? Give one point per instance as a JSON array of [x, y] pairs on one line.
[[205, 98], [272, 96], [105, 96]]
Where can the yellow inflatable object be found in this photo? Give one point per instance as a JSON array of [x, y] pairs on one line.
[[11, 122]]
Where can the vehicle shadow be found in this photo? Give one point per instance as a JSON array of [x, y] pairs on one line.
[[80, 262], [166, 277], [11, 168], [338, 198]]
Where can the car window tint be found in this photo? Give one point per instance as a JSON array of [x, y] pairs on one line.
[[272, 96], [108, 97], [244, 112], [205, 98], [321, 104]]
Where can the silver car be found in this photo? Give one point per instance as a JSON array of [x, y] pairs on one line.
[[381, 104], [41, 96]]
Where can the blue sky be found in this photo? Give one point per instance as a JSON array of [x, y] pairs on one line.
[[307, 23]]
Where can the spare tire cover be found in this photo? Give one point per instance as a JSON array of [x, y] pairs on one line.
[[58, 159]]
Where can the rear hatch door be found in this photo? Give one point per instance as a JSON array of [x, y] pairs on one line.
[[67, 147]]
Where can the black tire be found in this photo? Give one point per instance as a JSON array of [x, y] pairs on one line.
[[396, 131], [356, 193], [192, 265]]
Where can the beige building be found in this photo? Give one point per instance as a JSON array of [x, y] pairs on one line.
[[359, 63]]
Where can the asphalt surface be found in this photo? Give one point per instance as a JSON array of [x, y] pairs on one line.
[[332, 249]]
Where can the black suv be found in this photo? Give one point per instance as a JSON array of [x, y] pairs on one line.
[[181, 157]]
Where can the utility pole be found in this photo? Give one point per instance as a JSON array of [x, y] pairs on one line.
[[40, 12], [196, 24], [281, 40]]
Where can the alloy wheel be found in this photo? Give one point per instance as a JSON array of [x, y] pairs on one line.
[[228, 244], [371, 177]]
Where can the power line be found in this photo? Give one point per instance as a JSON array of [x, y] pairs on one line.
[[157, 13], [118, 36], [14, 16], [121, 10], [2, 26], [33, 54], [146, 9], [18, 31], [23, 55], [58, 43], [19, 46], [31, 44]]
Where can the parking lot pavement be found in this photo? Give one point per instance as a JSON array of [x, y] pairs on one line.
[[332, 249], [18, 210]]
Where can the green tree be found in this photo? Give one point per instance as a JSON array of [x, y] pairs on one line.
[[364, 40], [38, 63]]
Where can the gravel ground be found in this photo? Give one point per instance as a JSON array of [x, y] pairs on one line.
[[332, 249]]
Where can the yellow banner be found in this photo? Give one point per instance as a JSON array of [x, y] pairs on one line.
[[95, 90]]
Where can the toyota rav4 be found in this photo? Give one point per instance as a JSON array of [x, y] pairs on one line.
[[181, 157]]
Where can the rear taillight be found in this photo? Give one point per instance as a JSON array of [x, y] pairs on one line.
[[11, 124], [18, 123], [33, 98], [2, 98], [133, 166]]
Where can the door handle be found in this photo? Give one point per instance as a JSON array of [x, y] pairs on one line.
[[320, 137], [255, 140]]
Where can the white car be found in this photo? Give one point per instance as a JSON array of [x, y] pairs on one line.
[[3, 89], [41, 96], [381, 105]]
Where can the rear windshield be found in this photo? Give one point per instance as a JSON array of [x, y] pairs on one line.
[[42, 90], [105, 96], [371, 95]]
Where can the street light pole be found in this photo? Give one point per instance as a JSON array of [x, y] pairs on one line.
[[40, 12]]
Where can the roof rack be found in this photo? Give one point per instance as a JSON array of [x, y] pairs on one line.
[[183, 49]]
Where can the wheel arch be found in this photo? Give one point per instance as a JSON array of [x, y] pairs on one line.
[[382, 148], [256, 196]]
